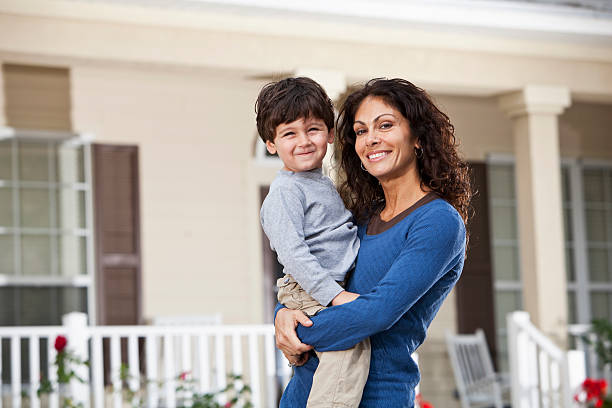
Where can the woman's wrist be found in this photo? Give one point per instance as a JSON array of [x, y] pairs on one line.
[[344, 297]]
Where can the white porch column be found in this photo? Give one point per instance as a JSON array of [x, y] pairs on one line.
[[534, 112], [334, 83]]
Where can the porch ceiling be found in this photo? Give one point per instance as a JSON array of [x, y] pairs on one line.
[[576, 17]]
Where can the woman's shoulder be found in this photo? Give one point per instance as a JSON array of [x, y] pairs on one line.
[[440, 219], [441, 208]]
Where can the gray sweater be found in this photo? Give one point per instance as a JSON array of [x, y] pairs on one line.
[[311, 231]]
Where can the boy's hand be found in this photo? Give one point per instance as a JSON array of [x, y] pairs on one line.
[[344, 297]]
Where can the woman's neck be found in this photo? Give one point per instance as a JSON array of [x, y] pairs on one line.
[[401, 193]]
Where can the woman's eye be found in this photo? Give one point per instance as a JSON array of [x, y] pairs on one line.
[[386, 125], [359, 132]]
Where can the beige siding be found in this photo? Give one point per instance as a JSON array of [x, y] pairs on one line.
[[2, 100], [481, 128], [37, 97], [585, 131]]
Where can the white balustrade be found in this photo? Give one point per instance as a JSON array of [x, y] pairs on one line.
[[542, 374], [584, 340], [155, 356]]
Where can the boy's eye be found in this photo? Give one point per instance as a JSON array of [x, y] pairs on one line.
[[314, 129], [288, 134]]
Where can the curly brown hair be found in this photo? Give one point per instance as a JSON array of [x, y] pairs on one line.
[[440, 167]]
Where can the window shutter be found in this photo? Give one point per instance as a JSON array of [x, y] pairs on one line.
[[474, 291], [117, 229]]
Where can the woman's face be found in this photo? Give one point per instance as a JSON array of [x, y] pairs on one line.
[[383, 140]]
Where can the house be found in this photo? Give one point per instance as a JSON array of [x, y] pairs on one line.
[[131, 173]]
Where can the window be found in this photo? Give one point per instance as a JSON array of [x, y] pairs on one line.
[[587, 215], [46, 267], [505, 249], [596, 276]]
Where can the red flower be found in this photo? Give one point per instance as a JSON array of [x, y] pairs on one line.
[[592, 391], [183, 376], [227, 405], [60, 343], [422, 403]]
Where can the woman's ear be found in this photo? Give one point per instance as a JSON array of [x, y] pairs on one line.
[[270, 146]]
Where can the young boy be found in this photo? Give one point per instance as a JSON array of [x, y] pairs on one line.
[[309, 227]]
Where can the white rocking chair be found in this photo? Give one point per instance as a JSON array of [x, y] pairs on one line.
[[477, 383]]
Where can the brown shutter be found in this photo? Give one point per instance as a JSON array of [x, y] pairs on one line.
[[474, 291], [117, 226]]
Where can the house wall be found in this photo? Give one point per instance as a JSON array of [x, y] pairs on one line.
[[585, 131], [194, 134], [482, 128]]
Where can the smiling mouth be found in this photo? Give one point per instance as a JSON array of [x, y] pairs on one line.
[[304, 154], [377, 156]]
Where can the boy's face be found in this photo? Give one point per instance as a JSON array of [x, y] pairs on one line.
[[301, 144]]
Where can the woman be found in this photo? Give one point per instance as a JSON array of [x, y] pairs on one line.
[[409, 191]]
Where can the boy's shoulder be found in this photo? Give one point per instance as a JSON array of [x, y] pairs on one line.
[[283, 186], [305, 187], [284, 182]]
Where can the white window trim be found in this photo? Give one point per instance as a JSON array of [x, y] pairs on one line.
[[262, 159], [581, 287], [87, 280]]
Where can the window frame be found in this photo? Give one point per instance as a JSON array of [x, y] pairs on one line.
[[86, 280], [581, 286]]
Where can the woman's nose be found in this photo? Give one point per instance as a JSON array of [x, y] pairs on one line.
[[372, 139]]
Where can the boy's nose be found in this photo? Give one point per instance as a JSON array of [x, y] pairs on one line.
[[303, 139]]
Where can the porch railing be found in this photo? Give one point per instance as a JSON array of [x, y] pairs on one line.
[[542, 374], [594, 369], [155, 357]]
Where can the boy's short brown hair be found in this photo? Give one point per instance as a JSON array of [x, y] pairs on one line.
[[288, 100]]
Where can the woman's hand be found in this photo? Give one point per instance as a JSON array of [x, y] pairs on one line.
[[287, 340]]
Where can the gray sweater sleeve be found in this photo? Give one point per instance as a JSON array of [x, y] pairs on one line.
[[282, 218]]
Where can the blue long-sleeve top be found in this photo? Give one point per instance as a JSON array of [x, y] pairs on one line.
[[403, 275]]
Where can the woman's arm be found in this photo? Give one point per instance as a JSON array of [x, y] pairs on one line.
[[433, 246], [285, 323]]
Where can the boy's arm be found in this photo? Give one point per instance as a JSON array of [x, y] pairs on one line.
[[282, 218]]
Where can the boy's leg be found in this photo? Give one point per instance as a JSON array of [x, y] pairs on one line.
[[291, 294], [340, 377]]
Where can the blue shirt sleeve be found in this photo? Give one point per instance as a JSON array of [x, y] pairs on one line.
[[433, 246]]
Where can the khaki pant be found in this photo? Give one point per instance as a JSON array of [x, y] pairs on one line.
[[341, 375]]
